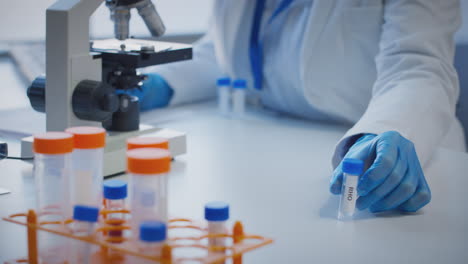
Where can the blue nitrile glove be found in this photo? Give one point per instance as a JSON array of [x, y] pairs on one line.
[[394, 178], [154, 93]]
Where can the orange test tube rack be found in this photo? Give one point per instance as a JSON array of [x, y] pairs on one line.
[[239, 242]]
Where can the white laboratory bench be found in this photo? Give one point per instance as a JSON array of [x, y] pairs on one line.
[[274, 171]]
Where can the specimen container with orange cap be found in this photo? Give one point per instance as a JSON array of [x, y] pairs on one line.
[[52, 170], [148, 169], [87, 164]]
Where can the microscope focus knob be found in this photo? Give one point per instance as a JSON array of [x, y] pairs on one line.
[[94, 101], [36, 94], [109, 102]]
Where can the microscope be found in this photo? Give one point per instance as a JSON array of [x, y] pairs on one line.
[[87, 82]]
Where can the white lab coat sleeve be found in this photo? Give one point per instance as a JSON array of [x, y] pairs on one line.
[[192, 80], [417, 86]]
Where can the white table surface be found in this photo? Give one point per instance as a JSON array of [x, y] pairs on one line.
[[274, 171]]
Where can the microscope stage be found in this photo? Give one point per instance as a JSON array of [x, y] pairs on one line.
[[138, 53]]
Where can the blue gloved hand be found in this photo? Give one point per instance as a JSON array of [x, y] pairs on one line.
[[154, 93], [394, 178]]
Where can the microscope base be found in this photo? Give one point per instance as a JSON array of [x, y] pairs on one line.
[[114, 152]]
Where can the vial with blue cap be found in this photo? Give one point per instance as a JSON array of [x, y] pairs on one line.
[[239, 87], [352, 170], [84, 219], [217, 214], [152, 237], [224, 95], [84, 222], [115, 193]]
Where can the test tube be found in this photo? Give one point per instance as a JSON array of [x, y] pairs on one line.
[[87, 163], [216, 214], [152, 237], [85, 218], [148, 169], [147, 142], [238, 97], [352, 169], [52, 167], [224, 95], [115, 192]]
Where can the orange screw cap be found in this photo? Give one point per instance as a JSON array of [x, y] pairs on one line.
[[88, 137], [148, 161], [53, 143], [147, 142]]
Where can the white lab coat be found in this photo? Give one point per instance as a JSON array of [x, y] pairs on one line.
[[382, 65]]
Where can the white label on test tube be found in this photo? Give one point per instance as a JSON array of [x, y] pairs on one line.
[[352, 169], [216, 214], [238, 97], [238, 101], [217, 227], [348, 196], [224, 97]]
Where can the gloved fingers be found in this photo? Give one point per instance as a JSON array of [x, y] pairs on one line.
[[390, 183], [421, 197], [336, 181], [402, 193], [384, 163]]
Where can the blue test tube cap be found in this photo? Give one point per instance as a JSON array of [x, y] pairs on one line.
[[217, 211], [353, 166], [85, 213], [115, 190], [239, 84], [224, 81], [153, 231]]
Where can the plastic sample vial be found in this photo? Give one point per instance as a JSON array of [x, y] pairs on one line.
[[115, 193], [85, 218], [147, 142], [352, 169], [152, 237], [224, 95], [216, 214], [148, 169], [87, 164], [52, 168], [238, 97]]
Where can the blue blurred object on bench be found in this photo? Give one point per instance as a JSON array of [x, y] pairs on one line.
[[461, 64]]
